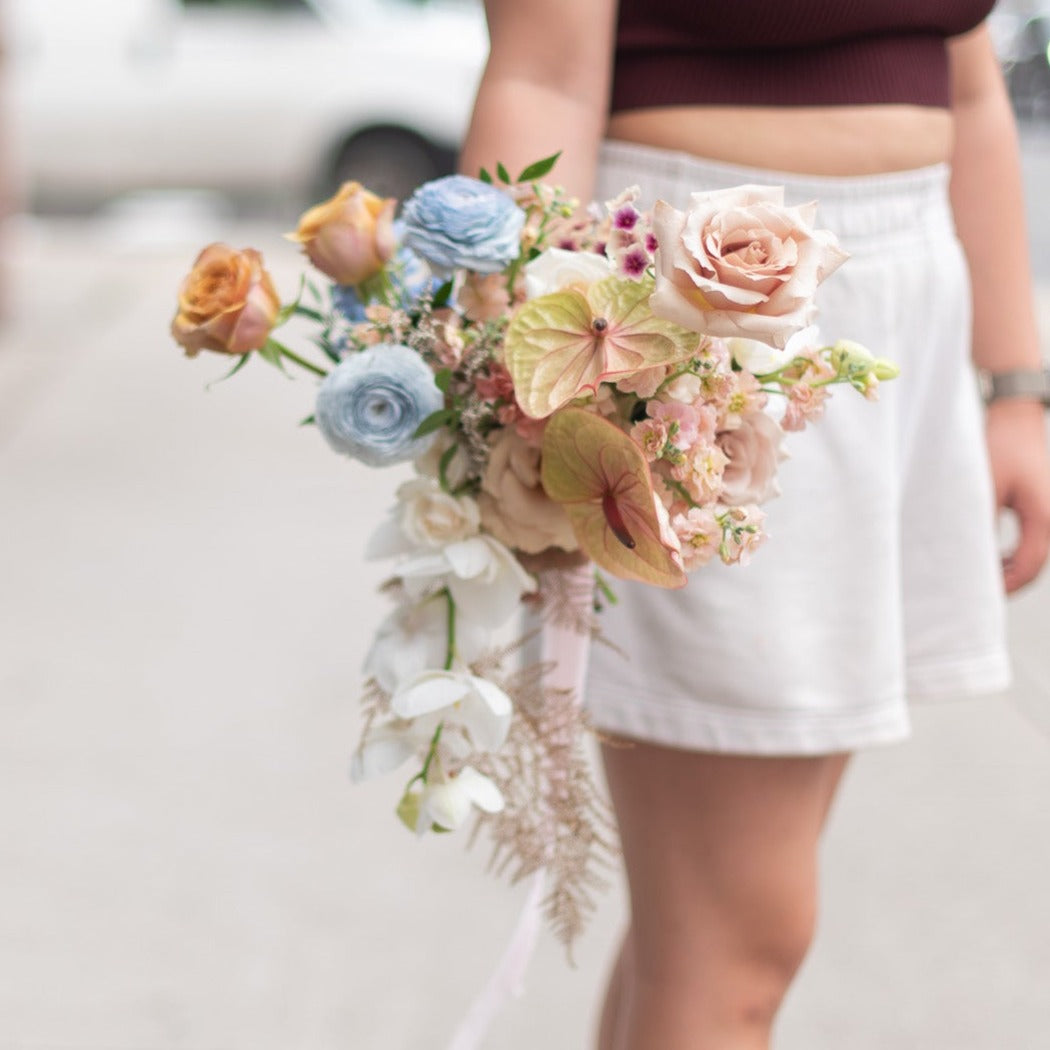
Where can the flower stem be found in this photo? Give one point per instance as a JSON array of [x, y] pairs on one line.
[[300, 361], [450, 645], [431, 753]]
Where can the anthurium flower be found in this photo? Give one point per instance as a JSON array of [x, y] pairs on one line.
[[562, 345], [600, 475]]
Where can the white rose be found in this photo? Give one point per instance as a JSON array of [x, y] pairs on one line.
[[432, 517], [557, 268]]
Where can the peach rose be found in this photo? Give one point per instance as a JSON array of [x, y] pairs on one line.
[[227, 303], [740, 263], [514, 507], [753, 450], [349, 237]]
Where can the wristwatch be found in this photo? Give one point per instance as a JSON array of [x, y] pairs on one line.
[[1030, 383]]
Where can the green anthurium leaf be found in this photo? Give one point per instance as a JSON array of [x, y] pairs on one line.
[[540, 168], [562, 345], [601, 478]]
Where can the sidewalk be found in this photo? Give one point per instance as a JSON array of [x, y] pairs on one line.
[[185, 866]]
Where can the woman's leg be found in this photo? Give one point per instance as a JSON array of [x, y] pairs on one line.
[[721, 858]]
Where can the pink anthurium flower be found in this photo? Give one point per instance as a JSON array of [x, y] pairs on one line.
[[600, 475], [562, 345]]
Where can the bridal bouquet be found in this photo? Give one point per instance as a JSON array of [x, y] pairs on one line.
[[571, 387]]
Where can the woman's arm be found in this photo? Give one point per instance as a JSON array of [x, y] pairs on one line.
[[988, 201], [545, 88]]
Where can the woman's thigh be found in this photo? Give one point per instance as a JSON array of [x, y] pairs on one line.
[[721, 857]]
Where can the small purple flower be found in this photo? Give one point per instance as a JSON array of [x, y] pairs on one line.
[[625, 217]]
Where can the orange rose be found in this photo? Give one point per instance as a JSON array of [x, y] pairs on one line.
[[350, 236], [227, 303]]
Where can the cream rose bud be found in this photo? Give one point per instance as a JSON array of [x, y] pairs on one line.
[[557, 268], [349, 237], [739, 263], [432, 517], [753, 450]]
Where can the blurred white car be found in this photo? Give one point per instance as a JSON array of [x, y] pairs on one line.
[[286, 96]]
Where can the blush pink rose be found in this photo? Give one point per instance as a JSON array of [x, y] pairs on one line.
[[753, 451], [513, 505], [739, 263]]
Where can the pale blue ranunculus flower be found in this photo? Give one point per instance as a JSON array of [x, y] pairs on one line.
[[459, 222], [369, 405]]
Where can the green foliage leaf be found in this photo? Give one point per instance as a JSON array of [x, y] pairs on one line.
[[442, 378], [443, 465], [502, 174], [435, 421], [232, 372], [271, 352], [485, 176], [442, 295], [308, 421], [540, 168]]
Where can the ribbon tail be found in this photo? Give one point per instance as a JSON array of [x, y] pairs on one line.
[[508, 979]]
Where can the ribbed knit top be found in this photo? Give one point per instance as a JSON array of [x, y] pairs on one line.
[[787, 52]]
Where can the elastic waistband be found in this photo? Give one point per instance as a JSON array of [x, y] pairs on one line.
[[898, 205]]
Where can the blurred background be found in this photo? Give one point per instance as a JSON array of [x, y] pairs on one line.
[[184, 610]]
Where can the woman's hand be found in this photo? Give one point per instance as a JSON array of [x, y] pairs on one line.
[[1017, 445]]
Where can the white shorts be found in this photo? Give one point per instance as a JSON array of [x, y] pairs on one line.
[[880, 579]]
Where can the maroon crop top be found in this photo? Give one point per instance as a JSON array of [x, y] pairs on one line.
[[787, 52]]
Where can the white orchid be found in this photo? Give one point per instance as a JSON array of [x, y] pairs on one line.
[[484, 577], [414, 638], [443, 802], [474, 715]]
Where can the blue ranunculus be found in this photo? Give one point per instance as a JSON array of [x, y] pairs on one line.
[[458, 221], [369, 405]]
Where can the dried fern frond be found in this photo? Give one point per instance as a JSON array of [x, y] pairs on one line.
[[555, 816]]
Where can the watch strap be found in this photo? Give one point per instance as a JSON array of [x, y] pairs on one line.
[[1029, 383]]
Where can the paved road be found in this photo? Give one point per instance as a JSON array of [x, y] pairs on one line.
[[183, 865]]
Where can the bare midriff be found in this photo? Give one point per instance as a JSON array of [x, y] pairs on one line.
[[818, 140]]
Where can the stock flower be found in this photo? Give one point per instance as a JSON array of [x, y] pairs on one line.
[[349, 237], [458, 222], [741, 263], [370, 405], [753, 451], [227, 303]]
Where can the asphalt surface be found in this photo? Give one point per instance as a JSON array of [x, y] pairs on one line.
[[183, 611]]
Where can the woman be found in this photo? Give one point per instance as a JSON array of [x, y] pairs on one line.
[[746, 692]]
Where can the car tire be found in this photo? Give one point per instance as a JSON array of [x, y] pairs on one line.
[[391, 162]]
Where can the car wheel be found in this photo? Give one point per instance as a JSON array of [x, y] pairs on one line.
[[390, 162]]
